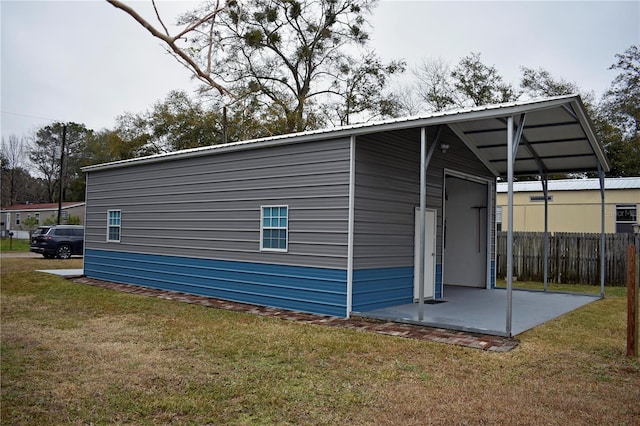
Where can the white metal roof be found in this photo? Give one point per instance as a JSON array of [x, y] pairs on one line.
[[573, 185], [557, 136]]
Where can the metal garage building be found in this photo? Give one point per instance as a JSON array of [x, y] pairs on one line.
[[334, 221]]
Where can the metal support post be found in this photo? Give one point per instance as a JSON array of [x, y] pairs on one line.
[[424, 164], [510, 158], [602, 240], [421, 216], [545, 189], [633, 288]]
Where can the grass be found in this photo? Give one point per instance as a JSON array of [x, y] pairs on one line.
[[15, 245], [75, 354], [568, 288]]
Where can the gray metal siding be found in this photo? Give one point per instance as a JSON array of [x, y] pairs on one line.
[[209, 206], [388, 190]]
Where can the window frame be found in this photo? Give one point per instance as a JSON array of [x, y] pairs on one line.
[[625, 226], [18, 219], [118, 226], [270, 228], [540, 198]]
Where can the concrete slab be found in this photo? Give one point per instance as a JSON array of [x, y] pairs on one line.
[[67, 273], [484, 311]]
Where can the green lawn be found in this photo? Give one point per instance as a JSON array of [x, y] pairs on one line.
[[569, 288], [77, 354], [15, 245]]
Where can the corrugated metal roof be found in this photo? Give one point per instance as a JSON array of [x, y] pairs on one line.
[[42, 206], [557, 135], [573, 185]]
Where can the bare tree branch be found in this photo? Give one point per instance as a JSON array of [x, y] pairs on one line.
[[171, 42], [155, 8]]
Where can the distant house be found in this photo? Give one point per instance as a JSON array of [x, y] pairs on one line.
[[573, 204], [13, 217]]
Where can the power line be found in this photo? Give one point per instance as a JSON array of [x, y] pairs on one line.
[[29, 116]]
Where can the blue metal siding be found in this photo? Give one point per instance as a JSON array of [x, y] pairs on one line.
[[307, 289], [381, 287]]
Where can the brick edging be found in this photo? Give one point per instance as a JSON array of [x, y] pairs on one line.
[[441, 335]]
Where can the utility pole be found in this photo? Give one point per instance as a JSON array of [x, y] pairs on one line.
[[224, 124], [64, 139]]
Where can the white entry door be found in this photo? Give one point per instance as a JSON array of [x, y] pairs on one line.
[[429, 254]]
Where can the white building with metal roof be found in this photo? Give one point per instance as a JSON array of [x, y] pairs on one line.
[[574, 205]]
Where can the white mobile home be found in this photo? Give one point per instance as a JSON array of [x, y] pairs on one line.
[[329, 221], [13, 217]]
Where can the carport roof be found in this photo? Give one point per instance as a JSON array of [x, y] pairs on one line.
[[557, 137]]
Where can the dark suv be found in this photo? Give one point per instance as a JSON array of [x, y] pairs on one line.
[[61, 241]]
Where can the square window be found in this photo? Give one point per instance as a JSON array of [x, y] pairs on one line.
[[626, 217], [274, 229]]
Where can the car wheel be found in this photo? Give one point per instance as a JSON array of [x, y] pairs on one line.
[[63, 252]]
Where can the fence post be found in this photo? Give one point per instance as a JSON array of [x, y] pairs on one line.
[[632, 303]]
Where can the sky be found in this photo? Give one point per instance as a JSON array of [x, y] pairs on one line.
[[88, 62]]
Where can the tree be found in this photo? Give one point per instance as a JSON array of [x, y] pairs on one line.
[[278, 56], [621, 107], [105, 146], [613, 118], [480, 84], [177, 122], [180, 123], [408, 102], [623, 98], [285, 52], [359, 87], [435, 86], [45, 156], [540, 83], [29, 224], [13, 156], [201, 28]]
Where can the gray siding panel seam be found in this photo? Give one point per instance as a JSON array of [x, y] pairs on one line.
[[297, 176], [232, 190], [180, 189], [214, 249], [259, 157], [216, 200]]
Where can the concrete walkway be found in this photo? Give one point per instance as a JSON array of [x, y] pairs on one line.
[[66, 273], [484, 311]]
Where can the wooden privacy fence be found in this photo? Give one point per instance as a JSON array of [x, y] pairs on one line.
[[573, 257]]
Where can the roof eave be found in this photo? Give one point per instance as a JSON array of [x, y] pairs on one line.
[[447, 117]]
